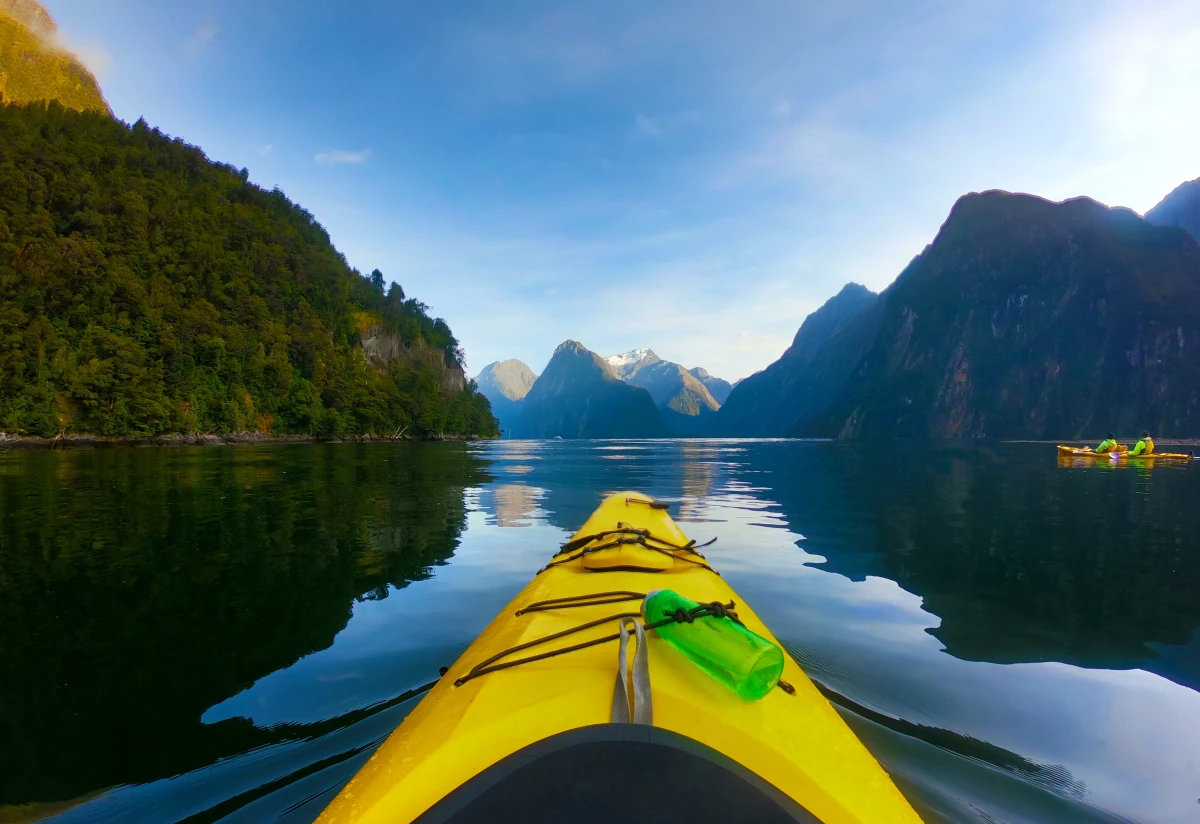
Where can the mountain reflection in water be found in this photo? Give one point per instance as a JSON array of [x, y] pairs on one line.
[[227, 634]]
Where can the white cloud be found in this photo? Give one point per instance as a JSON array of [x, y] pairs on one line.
[[343, 156], [266, 150]]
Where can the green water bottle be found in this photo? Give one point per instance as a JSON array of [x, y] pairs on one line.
[[744, 661]]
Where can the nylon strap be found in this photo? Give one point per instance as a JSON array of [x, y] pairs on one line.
[[642, 709]]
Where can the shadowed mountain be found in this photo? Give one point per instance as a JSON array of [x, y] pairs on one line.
[[719, 388], [35, 66], [1181, 208], [505, 384], [810, 374], [579, 396], [1027, 318]]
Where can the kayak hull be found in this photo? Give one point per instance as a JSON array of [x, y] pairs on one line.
[[794, 743], [1083, 452]]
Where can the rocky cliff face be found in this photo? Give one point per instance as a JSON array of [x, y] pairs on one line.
[[381, 348], [810, 375], [579, 396], [1181, 209], [35, 66], [1026, 318]]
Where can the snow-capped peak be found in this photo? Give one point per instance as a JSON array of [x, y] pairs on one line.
[[626, 363]]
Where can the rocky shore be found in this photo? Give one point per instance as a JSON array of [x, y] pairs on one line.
[[81, 440]]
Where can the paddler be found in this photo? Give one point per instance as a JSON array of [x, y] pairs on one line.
[[1144, 447], [1109, 444]]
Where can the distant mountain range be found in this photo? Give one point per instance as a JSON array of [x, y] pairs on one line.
[[1023, 318], [579, 396], [557, 405], [34, 65]]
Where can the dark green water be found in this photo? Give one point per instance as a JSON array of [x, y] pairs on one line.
[[226, 634]]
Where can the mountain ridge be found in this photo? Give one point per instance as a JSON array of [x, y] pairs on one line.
[[719, 388], [34, 64], [1030, 318], [1180, 208], [813, 370]]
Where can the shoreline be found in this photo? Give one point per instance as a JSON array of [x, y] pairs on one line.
[[86, 441]]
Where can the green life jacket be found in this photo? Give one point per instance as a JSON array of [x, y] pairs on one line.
[[1144, 446], [1106, 445]]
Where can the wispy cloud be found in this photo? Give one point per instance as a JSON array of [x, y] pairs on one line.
[[663, 124], [645, 127], [343, 156], [201, 39], [266, 150], [90, 53]]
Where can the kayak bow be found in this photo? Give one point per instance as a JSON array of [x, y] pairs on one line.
[[522, 726]]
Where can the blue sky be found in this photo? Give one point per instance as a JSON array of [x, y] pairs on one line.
[[691, 176]]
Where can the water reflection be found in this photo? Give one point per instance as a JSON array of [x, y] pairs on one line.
[[511, 505], [1015, 639], [139, 588]]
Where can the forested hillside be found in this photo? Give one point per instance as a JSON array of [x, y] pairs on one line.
[[145, 289]]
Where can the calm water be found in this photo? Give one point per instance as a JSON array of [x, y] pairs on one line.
[[227, 634]]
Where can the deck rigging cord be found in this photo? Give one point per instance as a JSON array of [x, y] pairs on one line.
[[630, 537], [715, 609]]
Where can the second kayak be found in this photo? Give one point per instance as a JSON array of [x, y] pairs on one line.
[[1083, 452]]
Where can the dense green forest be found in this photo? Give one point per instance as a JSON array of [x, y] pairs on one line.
[[145, 289]]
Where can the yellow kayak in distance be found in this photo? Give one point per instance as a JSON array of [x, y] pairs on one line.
[[1083, 452], [526, 727]]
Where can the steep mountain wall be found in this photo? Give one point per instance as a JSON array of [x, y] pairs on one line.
[[1026, 318], [810, 375]]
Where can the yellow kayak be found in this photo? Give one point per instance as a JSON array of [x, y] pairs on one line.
[[1122, 454], [525, 727]]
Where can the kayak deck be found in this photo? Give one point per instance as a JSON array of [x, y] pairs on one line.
[[479, 739]]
